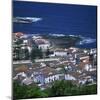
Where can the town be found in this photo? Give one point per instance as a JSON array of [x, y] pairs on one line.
[[39, 60]]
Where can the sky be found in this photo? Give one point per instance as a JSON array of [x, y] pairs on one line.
[[61, 17]]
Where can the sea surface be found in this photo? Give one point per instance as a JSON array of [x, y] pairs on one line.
[[75, 20]]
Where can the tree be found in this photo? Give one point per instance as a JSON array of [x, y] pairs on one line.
[[58, 88], [35, 92], [47, 52], [19, 92], [17, 49], [24, 91], [26, 54], [19, 41], [36, 53], [61, 88], [88, 89], [67, 88]]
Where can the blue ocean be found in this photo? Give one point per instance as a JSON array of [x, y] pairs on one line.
[[64, 19]]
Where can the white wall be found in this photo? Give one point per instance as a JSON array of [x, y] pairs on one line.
[[57, 53], [51, 78], [44, 46], [69, 77]]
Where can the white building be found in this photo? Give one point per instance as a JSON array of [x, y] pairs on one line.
[[42, 44], [60, 53], [88, 67], [27, 81], [46, 59], [47, 75], [69, 77], [51, 78], [25, 41], [54, 77]]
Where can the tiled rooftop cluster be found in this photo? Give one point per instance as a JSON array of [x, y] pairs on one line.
[[75, 64]]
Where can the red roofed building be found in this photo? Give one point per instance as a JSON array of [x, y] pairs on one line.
[[18, 34]]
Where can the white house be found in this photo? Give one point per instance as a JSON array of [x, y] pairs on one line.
[[29, 49], [88, 67], [60, 53], [82, 82], [87, 79], [21, 74], [54, 77], [51, 78], [42, 44], [25, 41], [27, 81], [69, 77], [47, 75]]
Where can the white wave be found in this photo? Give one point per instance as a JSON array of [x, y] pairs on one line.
[[57, 35], [74, 35], [86, 40], [26, 19], [34, 19]]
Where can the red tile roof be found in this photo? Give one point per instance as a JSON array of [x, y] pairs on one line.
[[19, 34]]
